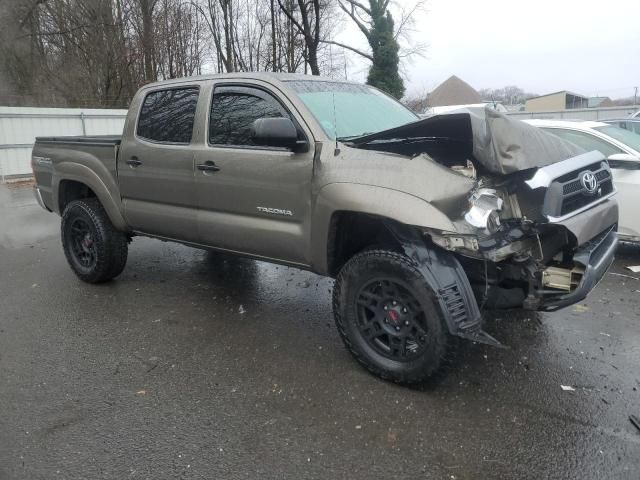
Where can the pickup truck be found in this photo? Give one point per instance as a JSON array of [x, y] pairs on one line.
[[422, 222]]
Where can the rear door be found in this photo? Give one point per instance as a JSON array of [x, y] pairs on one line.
[[255, 199], [155, 164]]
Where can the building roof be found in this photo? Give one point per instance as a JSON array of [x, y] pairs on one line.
[[453, 91], [566, 92]]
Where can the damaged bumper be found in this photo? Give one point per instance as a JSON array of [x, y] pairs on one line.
[[595, 257], [543, 266]]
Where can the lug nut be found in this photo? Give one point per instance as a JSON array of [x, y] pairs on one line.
[[406, 322], [404, 310], [394, 302], [386, 308], [398, 329]]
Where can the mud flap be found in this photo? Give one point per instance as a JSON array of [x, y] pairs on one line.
[[447, 277]]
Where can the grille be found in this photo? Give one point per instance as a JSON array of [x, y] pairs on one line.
[[566, 194]]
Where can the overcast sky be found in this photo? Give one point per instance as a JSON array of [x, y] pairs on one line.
[[589, 47]]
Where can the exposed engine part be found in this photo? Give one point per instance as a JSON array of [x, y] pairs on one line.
[[562, 278], [468, 170], [455, 242]]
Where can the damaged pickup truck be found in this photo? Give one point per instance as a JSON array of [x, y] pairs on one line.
[[422, 222]]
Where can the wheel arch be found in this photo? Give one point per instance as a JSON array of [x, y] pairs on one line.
[[73, 181], [351, 217]]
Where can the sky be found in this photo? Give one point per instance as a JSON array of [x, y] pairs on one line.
[[588, 47]]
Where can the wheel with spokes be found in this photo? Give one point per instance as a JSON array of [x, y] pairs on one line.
[[95, 250], [389, 318]]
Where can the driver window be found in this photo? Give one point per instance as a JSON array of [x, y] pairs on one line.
[[234, 109]]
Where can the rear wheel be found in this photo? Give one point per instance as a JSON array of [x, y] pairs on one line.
[[389, 317], [95, 250]]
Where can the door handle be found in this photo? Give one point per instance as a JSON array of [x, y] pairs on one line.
[[208, 166], [133, 162]]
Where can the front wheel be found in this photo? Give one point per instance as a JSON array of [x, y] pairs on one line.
[[95, 250], [389, 318]]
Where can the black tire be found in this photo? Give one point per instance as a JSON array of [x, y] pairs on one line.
[[408, 341], [95, 250]]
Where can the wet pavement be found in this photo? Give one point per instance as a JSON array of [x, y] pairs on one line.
[[200, 365]]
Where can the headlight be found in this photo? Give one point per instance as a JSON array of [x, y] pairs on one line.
[[484, 211]]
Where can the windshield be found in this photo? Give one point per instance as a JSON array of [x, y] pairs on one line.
[[357, 109], [625, 136]]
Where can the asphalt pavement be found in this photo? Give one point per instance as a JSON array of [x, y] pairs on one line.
[[197, 365]]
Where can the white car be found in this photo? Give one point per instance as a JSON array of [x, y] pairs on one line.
[[622, 148]]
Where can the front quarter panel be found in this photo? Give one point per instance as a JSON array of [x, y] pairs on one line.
[[367, 199]]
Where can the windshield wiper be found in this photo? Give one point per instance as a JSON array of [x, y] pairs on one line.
[[351, 137]]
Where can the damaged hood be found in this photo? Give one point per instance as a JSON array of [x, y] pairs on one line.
[[498, 143]]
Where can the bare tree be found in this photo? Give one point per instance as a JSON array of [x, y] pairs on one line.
[[308, 25], [99, 52]]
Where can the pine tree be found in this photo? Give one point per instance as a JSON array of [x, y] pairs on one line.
[[384, 73]]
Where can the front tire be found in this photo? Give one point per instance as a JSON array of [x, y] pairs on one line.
[[389, 318], [95, 250]]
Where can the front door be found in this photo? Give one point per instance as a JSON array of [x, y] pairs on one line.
[[156, 165], [253, 199]]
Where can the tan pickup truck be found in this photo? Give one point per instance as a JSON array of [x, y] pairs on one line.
[[422, 222]]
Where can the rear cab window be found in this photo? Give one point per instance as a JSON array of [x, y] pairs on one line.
[[167, 116]]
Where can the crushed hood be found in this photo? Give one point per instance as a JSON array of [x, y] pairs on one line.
[[498, 143]]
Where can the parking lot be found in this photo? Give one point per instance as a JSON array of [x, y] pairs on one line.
[[200, 365]]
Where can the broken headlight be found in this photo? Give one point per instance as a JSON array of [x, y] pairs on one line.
[[484, 211]]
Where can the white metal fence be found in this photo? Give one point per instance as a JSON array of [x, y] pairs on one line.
[[19, 126], [604, 113]]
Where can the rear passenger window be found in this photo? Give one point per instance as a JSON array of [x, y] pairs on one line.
[[168, 115], [234, 109]]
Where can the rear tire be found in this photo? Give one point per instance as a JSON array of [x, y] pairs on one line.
[[95, 250], [389, 318]]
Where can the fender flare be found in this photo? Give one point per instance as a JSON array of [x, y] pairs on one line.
[[382, 202], [107, 193], [449, 281]]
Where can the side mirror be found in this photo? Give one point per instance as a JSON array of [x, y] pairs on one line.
[[276, 132], [624, 161]]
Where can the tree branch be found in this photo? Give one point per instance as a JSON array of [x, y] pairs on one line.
[[354, 50], [354, 17], [290, 17]]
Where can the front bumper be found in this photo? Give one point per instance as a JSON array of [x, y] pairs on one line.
[[596, 257]]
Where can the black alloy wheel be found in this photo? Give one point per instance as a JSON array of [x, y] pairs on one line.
[[391, 320]]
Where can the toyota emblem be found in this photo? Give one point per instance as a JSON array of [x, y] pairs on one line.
[[589, 182]]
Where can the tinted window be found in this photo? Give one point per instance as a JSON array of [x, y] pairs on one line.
[[234, 109], [168, 115], [585, 140]]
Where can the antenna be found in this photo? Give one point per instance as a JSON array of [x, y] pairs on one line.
[[336, 151]]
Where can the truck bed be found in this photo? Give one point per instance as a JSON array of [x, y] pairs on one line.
[[97, 153]]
